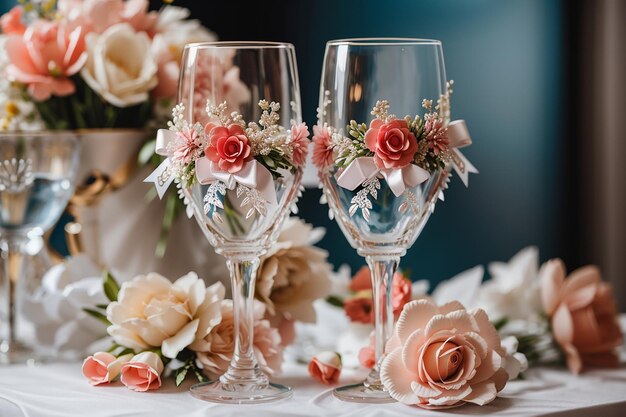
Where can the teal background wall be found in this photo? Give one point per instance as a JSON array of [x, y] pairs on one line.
[[507, 59]]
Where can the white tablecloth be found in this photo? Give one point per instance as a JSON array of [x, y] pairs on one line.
[[59, 390]]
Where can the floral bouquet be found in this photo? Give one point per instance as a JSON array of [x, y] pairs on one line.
[[93, 63]]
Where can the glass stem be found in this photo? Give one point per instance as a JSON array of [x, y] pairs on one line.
[[382, 270], [13, 266], [243, 372]]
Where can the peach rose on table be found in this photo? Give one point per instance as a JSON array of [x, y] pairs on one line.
[[120, 67], [229, 147], [325, 367], [443, 357], [152, 312], [44, 58], [393, 144], [142, 372], [583, 315], [11, 22]]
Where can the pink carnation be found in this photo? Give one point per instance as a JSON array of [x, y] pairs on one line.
[[45, 57], [229, 147], [300, 143], [322, 148], [436, 134], [186, 146], [393, 144]]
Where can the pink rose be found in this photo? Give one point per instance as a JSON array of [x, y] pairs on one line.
[[359, 308], [143, 372], [300, 143], [394, 146], [229, 147], [136, 13], [583, 315], [400, 289], [322, 148], [103, 367], [443, 357], [325, 367], [45, 57], [11, 22]]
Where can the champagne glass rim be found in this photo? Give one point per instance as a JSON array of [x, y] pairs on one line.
[[383, 41], [240, 45]]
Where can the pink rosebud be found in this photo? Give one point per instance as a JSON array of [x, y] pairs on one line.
[[393, 144], [325, 367], [143, 372], [103, 367]]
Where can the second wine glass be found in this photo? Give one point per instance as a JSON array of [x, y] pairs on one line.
[[382, 173]]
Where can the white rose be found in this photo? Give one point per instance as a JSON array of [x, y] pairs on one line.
[[151, 312], [120, 66]]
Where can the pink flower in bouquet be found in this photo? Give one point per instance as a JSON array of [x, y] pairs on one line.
[[322, 148], [11, 22], [143, 372], [44, 57], [436, 134], [443, 357], [393, 144], [229, 147], [95, 368], [92, 15], [583, 314], [187, 146], [400, 290], [136, 13], [367, 354], [359, 308], [325, 367], [300, 143], [215, 351]]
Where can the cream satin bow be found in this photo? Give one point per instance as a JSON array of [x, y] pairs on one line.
[[459, 137]]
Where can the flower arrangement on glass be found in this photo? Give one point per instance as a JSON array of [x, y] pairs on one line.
[[382, 176], [238, 168], [107, 69]]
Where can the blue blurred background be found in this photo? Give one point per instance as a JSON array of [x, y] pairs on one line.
[[508, 60]]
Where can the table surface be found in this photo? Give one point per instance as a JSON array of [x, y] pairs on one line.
[[59, 390]]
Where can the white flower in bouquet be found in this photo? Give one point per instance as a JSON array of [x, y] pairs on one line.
[[56, 309], [294, 273], [513, 290], [153, 312], [120, 66]]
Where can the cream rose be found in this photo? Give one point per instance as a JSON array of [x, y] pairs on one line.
[[153, 312], [294, 273], [120, 67]]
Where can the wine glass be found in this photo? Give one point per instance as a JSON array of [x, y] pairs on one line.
[[36, 181], [259, 81], [380, 183]]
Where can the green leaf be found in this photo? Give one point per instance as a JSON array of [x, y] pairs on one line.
[[181, 374], [499, 324], [335, 301], [200, 375], [110, 286], [98, 315], [102, 306]]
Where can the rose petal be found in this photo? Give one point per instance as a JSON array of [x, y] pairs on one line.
[[482, 394], [415, 315]]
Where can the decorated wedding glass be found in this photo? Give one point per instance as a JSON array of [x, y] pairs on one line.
[[37, 173], [385, 147], [236, 149]]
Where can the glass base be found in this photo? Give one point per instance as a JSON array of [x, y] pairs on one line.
[[363, 393], [17, 353], [218, 392]]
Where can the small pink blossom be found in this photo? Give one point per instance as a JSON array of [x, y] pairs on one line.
[[322, 148], [95, 368], [393, 144], [45, 57], [187, 145], [359, 308], [11, 22], [143, 372], [367, 354], [436, 134], [325, 367], [229, 147], [299, 143]]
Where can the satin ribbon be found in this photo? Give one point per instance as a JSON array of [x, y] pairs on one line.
[[364, 168], [459, 137], [161, 177], [252, 175]]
